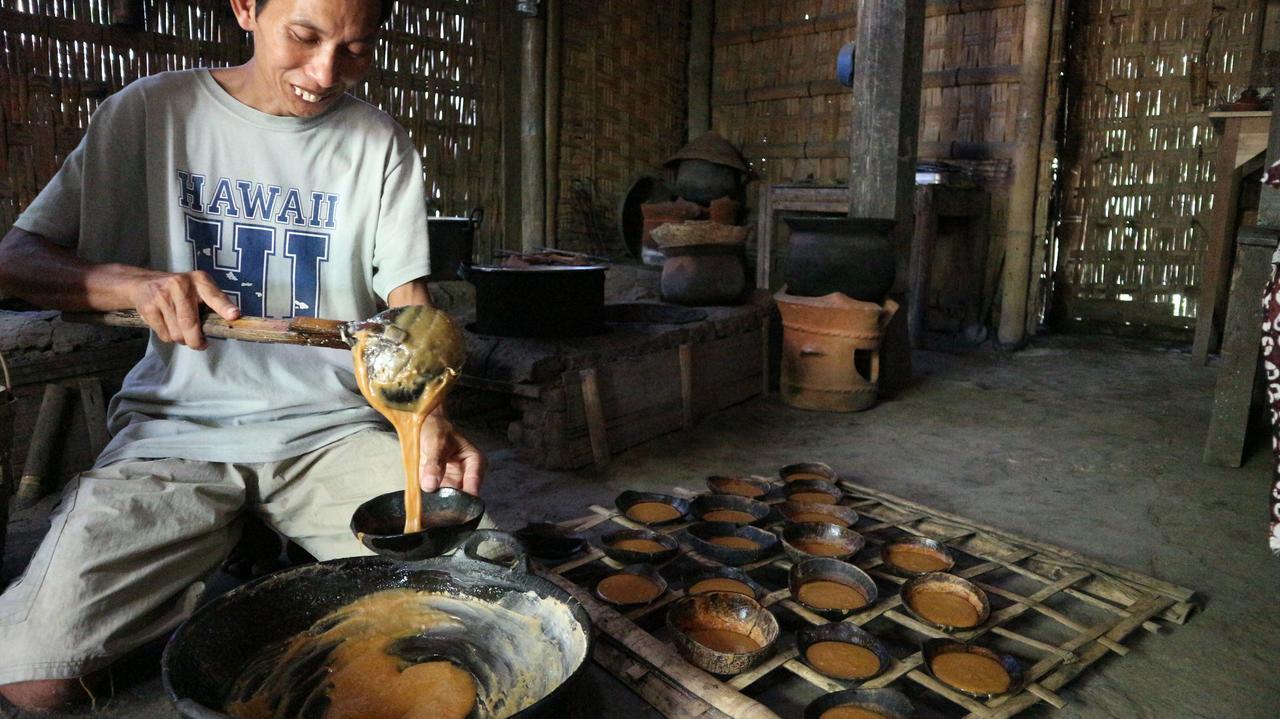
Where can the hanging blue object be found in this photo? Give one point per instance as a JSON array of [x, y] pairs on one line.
[[844, 64]]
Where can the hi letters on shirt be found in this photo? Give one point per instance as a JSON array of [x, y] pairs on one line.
[[246, 233]]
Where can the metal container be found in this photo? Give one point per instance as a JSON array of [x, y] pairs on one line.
[[846, 540], [825, 569], [452, 242], [708, 503], [840, 254], [628, 556], [702, 534], [844, 633], [941, 582], [888, 703], [207, 653], [538, 301]]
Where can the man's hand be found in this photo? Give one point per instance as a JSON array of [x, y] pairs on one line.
[[170, 303], [447, 458]]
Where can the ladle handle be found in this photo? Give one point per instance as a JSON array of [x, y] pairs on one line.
[[519, 553], [308, 331]]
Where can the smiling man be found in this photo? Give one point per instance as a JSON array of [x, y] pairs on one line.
[[263, 189]]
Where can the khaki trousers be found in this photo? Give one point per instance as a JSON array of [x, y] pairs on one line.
[[130, 545]]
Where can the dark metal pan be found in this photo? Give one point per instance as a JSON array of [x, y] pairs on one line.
[[728, 508], [207, 653], [627, 504], [448, 516], [888, 703]]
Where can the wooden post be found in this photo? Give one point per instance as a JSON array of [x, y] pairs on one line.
[[594, 412], [44, 439], [533, 156], [886, 91], [701, 30], [926, 231], [1022, 202], [95, 414], [1221, 245], [552, 233], [686, 384]]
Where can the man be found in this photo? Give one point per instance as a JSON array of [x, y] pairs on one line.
[[261, 189]]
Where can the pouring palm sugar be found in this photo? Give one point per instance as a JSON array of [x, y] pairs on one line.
[[406, 358]]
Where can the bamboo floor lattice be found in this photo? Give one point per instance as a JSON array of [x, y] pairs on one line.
[[1055, 610]]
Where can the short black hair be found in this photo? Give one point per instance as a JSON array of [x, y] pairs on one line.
[[384, 12]]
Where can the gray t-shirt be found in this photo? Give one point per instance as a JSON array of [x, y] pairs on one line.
[[293, 217]]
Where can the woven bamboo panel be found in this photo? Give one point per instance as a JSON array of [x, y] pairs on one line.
[[437, 74], [622, 110], [1056, 611], [1140, 153]]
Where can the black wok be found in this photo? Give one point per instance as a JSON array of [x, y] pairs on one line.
[[206, 654]]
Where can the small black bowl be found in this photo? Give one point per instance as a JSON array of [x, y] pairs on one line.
[[843, 633], [934, 648], [727, 611], [846, 540], [922, 545], [889, 703], [951, 584], [707, 503], [547, 540], [800, 513], [831, 570], [700, 536], [448, 515], [737, 486], [630, 556], [640, 570], [815, 487], [631, 498], [697, 575], [801, 471]]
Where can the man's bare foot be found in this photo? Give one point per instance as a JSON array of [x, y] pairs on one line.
[[44, 696]]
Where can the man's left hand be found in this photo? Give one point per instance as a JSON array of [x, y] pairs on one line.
[[447, 458]]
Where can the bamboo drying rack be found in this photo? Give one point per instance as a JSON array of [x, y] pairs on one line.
[[1126, 600]]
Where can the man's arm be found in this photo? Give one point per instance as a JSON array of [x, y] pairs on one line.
[[49, 275], [413, 292]]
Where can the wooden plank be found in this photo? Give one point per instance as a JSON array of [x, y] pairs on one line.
[[669, 698], [595, 417], [95, 414]]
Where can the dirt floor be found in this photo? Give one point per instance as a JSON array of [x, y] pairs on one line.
[[1092, 444]]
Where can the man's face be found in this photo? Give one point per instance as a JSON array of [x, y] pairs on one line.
[[308, 52]]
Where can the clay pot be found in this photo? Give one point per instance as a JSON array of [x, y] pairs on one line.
[[854, 257], [724, 210], [703, 264], [657, 214], [831, 351], [703, 181]]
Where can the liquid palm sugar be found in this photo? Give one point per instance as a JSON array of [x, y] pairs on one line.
[[842, 660], [652, 512], [405, 361], [850, 713], [802, 517], [646, 546], [343, 660], [940, 606], [820, 548], [916, 559], [823, 594], [803, 475], [728, 515], [724, 640], [812, 497], [627, 588], [735, 542], [971, 672], [721, 584], [740, 488]]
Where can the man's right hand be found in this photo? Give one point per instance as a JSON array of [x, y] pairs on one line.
[[170, 303]]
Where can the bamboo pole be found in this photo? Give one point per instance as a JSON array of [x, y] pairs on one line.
[[552, 121], [1022, 202], [701, 32], [533, 154], [1048, 150]]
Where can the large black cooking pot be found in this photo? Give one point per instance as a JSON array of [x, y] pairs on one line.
[[538, 301], [206, 654], [855, 256]]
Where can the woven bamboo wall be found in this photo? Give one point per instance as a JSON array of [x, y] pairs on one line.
[[437, 75], [775, 92], [622, 112], [1140, 168]]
